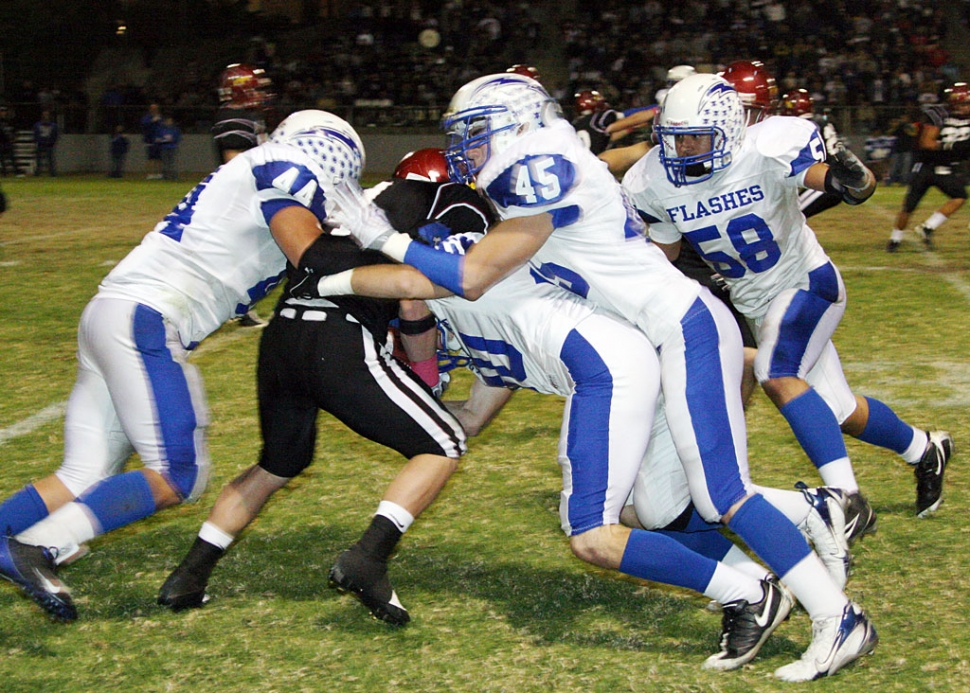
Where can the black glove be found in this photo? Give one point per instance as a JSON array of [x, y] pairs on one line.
[[847, 168], [303, 284]]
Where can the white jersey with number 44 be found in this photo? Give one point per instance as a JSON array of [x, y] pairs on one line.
[[213, 255]]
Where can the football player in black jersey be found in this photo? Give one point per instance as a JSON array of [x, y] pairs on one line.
[[941, 148], [332, 354]]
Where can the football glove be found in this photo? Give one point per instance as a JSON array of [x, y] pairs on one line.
[[304, 285], [847, 168], [361, 218]]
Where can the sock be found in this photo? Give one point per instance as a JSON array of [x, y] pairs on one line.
[[771, 535], [380, 538], [739, 560], [712, 544], [119, 500], [656, 557], [23, 509], [791, 503], [215, 536], [779, 544], [817, 430], [730, 585], [812, 585], [401, 518], [896, 235], [935, 220], [64, 530], [885, 429]]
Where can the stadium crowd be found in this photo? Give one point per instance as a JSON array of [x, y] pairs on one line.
[[397, 63]]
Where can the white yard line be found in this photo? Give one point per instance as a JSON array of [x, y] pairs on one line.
[[56, 411], [32, 423]]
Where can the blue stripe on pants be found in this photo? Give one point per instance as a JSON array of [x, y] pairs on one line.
[[588, 443], [173, 401]]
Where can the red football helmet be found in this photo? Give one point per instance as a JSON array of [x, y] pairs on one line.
[[958, 97], [589, 101], [525, 71], [757, 88], [797, 102], [424, 164], [243, 86]]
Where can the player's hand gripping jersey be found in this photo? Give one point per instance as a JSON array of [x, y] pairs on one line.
[[599, 249], [213, 255], [744, 220]]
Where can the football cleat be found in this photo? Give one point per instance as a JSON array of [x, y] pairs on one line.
[[929, 472], [892, 246], [825, 529], [745, 627], [250, 319], [183, 590], [925, 234], [32, 569], [836, 642], [860, 518], [355, 572]]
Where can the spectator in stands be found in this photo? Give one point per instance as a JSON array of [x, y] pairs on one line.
[[150, 122], [167, 138], [119, 152], [45, 140]]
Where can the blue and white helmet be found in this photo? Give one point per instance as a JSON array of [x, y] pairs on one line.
[[700, 105], [327, 139], [493, 111]]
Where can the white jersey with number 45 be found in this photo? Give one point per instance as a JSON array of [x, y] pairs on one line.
[[213, 255], [745, 220], [599, 249]]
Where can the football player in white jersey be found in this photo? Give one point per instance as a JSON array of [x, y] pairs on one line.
[[224, 246], [733, 193], [526, 332], [565, 215]]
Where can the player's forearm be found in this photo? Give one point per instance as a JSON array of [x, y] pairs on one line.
[[483, 403]]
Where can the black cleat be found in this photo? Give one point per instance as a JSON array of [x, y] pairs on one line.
[[250, 319], [925, 234], [183, 590], [745, 627], [367, 580], [32, 569], [929, 472], [892, 246], [860, 518]]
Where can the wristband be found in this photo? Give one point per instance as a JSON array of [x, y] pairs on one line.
[[396, 246], [336, 284]]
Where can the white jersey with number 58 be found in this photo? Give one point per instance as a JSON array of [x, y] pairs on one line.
[[745, 220]]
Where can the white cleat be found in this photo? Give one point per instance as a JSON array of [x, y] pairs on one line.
[[825, 529], [836, 642]]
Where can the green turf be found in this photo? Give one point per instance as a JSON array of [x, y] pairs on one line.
[[498, 602]]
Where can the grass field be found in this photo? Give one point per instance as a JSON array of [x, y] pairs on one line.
[[498, 602]]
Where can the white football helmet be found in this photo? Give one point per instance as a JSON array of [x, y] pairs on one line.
[[700, 105], [492, 112], [327, 139]]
